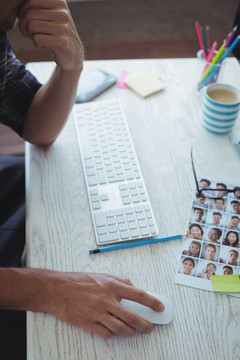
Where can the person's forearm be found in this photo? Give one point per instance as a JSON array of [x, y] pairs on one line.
[[50, 108], [24, 289]]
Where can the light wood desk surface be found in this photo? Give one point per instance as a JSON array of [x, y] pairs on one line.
[[60, 231]]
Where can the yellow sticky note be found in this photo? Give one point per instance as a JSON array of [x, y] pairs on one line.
[[226, 283], [144, 84]]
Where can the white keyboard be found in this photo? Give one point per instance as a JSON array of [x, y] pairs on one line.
[[118, 198]]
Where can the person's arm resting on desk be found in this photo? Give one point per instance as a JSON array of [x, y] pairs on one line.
[[89, 300], [49, 25]]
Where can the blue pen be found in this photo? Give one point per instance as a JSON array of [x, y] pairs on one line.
[[136, 243]]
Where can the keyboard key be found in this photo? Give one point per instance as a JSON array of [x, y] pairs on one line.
[[111, 220], [144, 231], [108, 237], [124, 235], [109, 214], [102, 230], [131, 217], [89, 163], [112, 228], [129, 211], [134, 233], [148, 215], [92, 180], [153, 230], [135, 199], [101, 177], [104, 197], [122, 227], [138, 209], [100, 219], [140, 216], [132, 225], [121, 219], [96, 205], [93, 191], [142, 223]]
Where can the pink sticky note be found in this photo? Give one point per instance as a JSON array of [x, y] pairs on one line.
[[120, 83]]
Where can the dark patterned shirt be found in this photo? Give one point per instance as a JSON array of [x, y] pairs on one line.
[[17, 87]]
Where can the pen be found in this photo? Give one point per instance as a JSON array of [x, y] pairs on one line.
[[231, 36], [136, 243], [198, 29], [208, 36]]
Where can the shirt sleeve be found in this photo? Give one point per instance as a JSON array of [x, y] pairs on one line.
[[18, 90]]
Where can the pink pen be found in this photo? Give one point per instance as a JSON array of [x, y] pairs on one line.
[[198, 29]]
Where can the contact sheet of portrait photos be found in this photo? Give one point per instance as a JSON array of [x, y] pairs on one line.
[[211, 245]]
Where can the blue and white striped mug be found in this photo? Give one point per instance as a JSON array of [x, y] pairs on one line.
[[221, 103]]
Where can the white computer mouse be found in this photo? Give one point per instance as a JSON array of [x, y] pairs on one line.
[[145, 312]]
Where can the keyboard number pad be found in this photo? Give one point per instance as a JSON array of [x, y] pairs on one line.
[[124, 224]]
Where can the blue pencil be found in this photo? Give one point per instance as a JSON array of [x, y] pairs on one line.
[[136, 243]]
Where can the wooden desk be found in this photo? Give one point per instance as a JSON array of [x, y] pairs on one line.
[[60, 231]]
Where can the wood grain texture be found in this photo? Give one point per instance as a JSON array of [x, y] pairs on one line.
[[60, 231]]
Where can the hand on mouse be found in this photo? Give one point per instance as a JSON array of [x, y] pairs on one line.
[[92, 301], [89, 300]]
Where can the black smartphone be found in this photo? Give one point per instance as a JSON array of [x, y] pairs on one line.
[[93, 83]]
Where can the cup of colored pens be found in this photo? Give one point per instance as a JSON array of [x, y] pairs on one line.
[[217, 69], [214, 57]]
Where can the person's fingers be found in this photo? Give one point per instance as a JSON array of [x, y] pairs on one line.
[[42, 4], [54, 17], [44, 27], [117, 326], [101, 330], [120, 278], [51, 42], [140, 296], [132, 319]]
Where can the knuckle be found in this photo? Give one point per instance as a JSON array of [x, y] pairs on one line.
[[31, 26], [110, 283], [101, 300], [140, 294], [127, 281], [62, 4], [63, 16], [119, 328], [37, 41], [131, 319], [63, 42], [65, 29]]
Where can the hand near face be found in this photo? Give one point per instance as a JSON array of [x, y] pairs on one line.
[[49, 25]]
